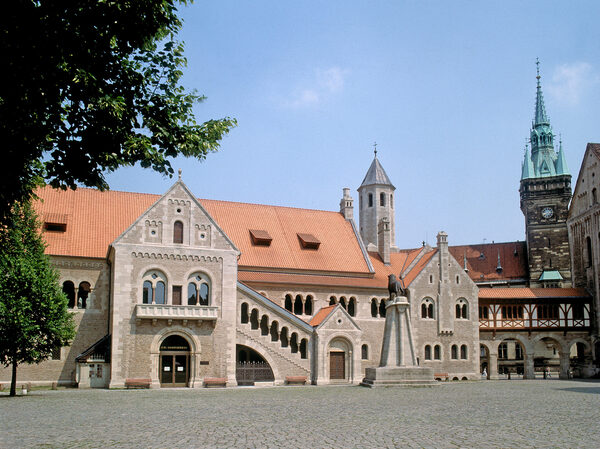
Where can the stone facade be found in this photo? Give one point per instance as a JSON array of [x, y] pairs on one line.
[[545, 205], [584, 231]]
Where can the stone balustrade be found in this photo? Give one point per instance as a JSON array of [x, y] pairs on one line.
[[171, 312]]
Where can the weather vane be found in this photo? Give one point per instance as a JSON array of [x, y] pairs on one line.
[[375, 148]]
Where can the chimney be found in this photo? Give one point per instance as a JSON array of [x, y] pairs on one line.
[[384, 240], [347, 205], [442, 246]]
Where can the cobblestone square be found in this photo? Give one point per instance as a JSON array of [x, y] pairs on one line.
[[493, 414]]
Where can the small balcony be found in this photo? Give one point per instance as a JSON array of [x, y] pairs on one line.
[[171, 312]]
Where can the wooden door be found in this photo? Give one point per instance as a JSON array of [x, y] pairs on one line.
[[337, 365]]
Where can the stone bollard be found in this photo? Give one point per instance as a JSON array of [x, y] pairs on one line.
[[55, 385], [24, 390]]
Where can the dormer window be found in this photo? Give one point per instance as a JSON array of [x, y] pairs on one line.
[[260, 237], [55, 222], [55, 227], [309, 241]]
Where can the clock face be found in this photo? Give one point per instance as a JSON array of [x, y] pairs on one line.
[[547, 212]]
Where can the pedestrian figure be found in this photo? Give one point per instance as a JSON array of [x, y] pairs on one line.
[[484, 374]]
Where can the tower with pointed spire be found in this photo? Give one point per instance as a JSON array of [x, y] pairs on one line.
[[376, 203], [545, 193]]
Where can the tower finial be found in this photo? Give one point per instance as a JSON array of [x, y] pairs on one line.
[[179, 172], [537, 63], [375, 149]]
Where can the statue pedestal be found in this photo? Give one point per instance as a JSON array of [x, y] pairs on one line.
[[386, 376], [398, 365]]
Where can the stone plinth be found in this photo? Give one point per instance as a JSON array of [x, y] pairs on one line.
[[385, 376], [398, 365]]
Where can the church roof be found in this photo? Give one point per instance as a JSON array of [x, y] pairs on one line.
[[483, 261], [376, 175], [94, 219]]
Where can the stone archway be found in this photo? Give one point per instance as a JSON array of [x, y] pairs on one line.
[[339, 355], [580, 359], [484, 360], [174, 362], [548, 355], [194, 355], [251, 367], [512, 358]]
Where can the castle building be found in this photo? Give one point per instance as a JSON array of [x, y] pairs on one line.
[[584, 232], [175, 291]]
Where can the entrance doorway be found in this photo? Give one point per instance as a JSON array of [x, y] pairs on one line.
[[174, 362], [337, 365]]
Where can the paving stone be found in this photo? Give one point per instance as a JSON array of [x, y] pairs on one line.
[[494, 414]]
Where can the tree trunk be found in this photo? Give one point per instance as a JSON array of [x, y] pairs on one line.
[[13, 382]]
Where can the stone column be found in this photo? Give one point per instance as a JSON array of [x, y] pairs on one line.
[[528, 369], [565, 364], [493, 366]]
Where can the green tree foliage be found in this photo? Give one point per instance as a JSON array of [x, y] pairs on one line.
[[34, 319], [92, 85]]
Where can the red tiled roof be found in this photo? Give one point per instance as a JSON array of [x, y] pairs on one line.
[[399, 264], [321, 315], [530, 293], [339, 250], [482, 260], [95, 219]]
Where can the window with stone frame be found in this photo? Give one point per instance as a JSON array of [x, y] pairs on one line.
[[69, 290], [199, 290], [427, 309], [463, 352], [178, 232], [437, 352], [154, 284], [427, 352], [364, 352], [462, 309], [454, 352], [503, 351]]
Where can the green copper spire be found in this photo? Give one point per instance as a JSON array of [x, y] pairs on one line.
[[561, 161], [527, 166], [540, 109], [543, 157]]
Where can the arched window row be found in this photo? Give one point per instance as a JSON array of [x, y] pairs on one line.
[[427, 309], [154, 290], [77, 297], [271, 330], [378, 308], [349, 304], [434, 352], [299, 305]]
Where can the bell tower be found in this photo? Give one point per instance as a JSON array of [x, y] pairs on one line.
[[545, 192], [376, 202]]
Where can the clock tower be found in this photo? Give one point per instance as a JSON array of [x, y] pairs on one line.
[[545, 192]]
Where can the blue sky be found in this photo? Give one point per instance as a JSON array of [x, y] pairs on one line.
[[446, 89]]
